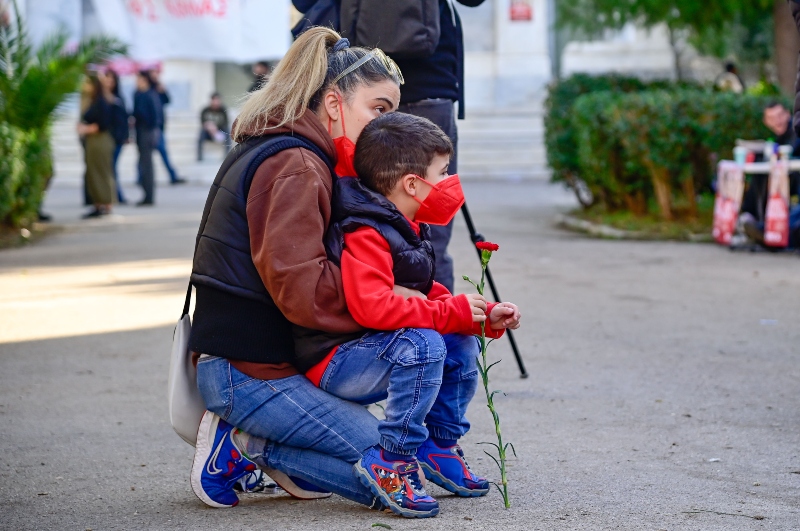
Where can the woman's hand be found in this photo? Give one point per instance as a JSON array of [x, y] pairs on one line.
[[408, 293], [504, 315], [87, 129], [478, 305]]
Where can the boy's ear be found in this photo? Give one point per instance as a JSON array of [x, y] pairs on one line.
[[409, 184]]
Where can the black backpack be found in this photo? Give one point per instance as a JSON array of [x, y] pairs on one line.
[[321, 13], [401, 28]]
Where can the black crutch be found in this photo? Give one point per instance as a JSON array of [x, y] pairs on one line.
[[476, 237]]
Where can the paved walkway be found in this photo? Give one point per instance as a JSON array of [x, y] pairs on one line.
[[665, 387]]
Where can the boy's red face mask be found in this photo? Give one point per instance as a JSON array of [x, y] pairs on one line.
[[442, 203], [345, 148]]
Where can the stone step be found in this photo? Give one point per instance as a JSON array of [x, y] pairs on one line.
[[503, 145], [492, 173]]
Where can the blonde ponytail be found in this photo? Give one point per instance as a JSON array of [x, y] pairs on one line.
[[296, 79]]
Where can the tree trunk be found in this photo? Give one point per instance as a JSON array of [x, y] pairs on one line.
[[662, 189], [676, 52], [787, 45], [636, 203], [691, 195]]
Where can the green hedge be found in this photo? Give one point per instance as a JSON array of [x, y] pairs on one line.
[[560, 136], [25, 167], [653, 149]]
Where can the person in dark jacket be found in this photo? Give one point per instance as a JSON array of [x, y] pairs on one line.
[[147, 115], [163, 100], [94, 127], [261, 72], [214, 125], [433, 85], [778, 121], [119, 124]]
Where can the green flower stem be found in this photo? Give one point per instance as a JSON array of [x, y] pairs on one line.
[[483, 362]]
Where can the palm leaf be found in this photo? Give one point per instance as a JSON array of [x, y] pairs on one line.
[[34, 85]]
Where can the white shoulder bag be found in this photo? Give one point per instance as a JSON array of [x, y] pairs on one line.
[[186, 405]]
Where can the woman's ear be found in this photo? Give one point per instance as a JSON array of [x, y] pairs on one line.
[[331, 105]]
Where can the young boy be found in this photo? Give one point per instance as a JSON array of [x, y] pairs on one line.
[[420, 352]]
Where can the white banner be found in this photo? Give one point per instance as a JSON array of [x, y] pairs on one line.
[[240, 31]]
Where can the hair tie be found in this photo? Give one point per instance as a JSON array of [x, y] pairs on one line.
[[341, 44]]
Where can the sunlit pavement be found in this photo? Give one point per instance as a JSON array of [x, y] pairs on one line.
[[664, 389]]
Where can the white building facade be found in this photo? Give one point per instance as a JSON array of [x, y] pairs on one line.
[[206, 45]]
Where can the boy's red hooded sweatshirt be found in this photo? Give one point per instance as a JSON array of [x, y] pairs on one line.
[[369, 257]]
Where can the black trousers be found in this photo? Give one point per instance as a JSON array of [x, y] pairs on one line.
[[146, 141], [441, 112]]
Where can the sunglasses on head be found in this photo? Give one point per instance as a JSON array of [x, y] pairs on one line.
[[378, 55]]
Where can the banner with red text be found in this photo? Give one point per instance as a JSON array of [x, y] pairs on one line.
[[240, 31]]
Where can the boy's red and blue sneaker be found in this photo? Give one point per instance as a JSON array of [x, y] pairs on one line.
[[218, 463], [396, 483], [448, 468]]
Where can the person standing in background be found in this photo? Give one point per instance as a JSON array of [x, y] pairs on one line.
[[433, 84], [146, 110], [99, 148], [163, 100], [261, 71], [119, 124]]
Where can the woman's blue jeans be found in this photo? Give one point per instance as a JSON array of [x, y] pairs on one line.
[[429, 380], [309, 433]]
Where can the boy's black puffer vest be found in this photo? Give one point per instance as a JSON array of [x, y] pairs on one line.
[[414, 265], [355, 206], [235, 317]]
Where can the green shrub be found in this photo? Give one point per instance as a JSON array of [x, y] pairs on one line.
[[25, 167], [658, 147], [614, 179], [560, 137], [34, 81]]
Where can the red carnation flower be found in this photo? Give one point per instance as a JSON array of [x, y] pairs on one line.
[[487, 246]]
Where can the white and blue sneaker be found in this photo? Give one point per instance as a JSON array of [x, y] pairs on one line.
[[256, 481], [218, 463]]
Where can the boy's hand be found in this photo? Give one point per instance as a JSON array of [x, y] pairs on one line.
[[478, 305], [407, 293], [505, 315]]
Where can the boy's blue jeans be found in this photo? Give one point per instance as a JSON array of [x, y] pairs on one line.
[[429, 380]]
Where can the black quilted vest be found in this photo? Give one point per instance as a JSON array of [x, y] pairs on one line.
[[235, 317]]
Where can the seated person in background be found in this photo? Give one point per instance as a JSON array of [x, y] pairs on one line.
[[729, 80], [420, 353], [214, 121], [779, 121]]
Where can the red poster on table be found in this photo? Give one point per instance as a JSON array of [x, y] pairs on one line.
[[521, 10], [730, 189], [776, 222]]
